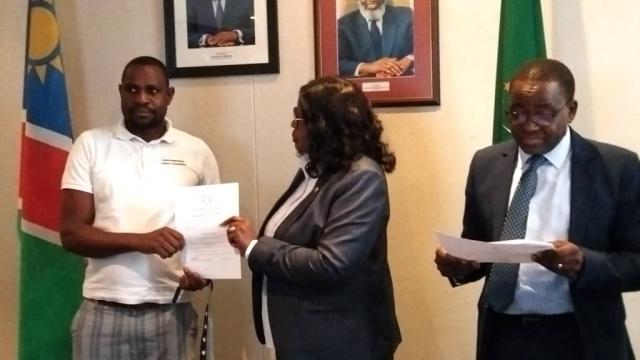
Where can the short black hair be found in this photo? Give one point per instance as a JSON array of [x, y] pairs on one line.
[[543, 69], [148, 60]]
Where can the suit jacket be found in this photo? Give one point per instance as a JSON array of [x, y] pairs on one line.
[[604, 222], [354, 41], [329, 286], [238, 15]]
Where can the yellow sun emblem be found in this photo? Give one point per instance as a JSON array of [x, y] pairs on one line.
[[44, 38]]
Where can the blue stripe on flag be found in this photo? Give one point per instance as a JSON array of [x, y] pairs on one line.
[[46, 103]]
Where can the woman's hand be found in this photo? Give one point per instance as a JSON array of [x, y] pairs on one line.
[[239, 233]]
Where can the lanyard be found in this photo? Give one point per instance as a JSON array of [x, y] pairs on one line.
[[205, 321]]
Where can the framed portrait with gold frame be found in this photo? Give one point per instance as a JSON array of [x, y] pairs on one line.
[[388, 47], [221, 37]]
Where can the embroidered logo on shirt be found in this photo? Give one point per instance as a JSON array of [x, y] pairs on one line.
[[173, 162]]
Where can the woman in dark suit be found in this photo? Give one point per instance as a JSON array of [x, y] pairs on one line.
[[321, 282]]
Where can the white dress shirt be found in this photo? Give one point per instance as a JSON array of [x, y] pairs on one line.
[[538, 290], [377, 15]]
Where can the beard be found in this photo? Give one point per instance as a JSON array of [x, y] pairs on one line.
[[372, 14]]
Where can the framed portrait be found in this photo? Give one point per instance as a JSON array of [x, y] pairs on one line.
[[388, 47], [221, 37]]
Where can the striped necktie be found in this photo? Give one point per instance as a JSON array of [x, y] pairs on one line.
[[502, 278]]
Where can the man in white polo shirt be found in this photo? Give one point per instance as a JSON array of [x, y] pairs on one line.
[[117, 210]]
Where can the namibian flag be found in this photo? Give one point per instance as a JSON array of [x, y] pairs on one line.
[[50, 278]]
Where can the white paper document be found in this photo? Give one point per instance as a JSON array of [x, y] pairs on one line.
[[199, 212], [507, 251]]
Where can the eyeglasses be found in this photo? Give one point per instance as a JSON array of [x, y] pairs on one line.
[[541, 117], [296, 122]]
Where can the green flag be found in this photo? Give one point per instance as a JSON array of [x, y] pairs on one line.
[[521, 38], [50, 278]]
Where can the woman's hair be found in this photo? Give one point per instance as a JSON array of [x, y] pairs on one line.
[[341, 127]]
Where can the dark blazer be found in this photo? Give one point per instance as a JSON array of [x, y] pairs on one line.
[[354, 41], [329, 286], [238, 15], [604, 222]]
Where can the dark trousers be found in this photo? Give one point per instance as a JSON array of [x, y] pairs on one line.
[[535, 337]]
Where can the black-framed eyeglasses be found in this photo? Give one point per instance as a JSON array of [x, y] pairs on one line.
[[295, 122], [517, 115]]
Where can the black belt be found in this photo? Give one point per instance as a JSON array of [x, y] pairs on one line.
[[142, 306], [536, 321]]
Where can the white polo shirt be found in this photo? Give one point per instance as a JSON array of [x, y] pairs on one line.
[[133, 184]]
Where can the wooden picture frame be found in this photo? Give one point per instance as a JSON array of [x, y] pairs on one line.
[[344, 40], [194, 50]]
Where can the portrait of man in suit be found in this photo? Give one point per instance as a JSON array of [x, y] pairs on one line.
[[376, 39], [212, 23]]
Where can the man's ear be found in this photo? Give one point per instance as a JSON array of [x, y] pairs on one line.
[[573, 109]]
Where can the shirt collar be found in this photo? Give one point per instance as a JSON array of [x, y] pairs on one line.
[[303, 160], [121, 132], [556, 156]]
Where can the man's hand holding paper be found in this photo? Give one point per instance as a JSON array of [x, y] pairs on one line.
[[507, 251], [565, 259], [453, 266], [457, 257]]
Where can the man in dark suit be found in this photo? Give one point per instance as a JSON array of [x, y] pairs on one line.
[[376, 40], [220, 23], [584, 197]]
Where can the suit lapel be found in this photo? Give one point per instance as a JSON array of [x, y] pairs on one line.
[[362, 33], [229, 15], [389, 31], [256, 280], [582, 175], [502, 187], [205, 14], [300, 209]]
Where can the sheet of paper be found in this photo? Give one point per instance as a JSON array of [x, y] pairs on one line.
[[507, 251], [199, 212]]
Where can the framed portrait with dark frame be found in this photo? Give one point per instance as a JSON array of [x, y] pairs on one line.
[[388, 47], [221, 37]]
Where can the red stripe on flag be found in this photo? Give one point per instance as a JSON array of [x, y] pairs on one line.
[[40, 176]]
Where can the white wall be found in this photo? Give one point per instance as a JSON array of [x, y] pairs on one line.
[[12, 26], [245, 121]]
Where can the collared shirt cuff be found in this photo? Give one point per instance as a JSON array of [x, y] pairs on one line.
[[239, 36], [249, 248], [203, 40], [357, 72]]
